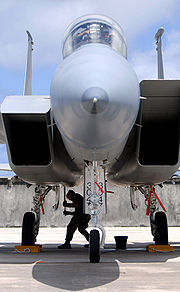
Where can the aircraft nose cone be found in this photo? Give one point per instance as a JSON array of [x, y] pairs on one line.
[[95, 100]]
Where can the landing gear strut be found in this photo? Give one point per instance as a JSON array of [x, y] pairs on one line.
[[158, 220], [31, 220], [95, 203]]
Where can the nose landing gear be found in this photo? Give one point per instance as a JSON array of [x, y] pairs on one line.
[[95, 203]]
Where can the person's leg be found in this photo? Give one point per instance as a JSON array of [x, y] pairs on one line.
[[83, 224], [71, 228], [84, 232]]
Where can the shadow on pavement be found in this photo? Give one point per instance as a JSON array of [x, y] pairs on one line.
[[73, 272], [76, 276]]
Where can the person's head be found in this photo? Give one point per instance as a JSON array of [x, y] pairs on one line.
[[70, 195]]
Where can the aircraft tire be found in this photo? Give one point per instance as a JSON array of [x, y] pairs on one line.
[[28, 228], [161, 229], [94, 246]]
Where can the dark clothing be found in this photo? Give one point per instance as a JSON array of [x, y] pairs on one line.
[[79, 219], [78, 199], [80, 222]]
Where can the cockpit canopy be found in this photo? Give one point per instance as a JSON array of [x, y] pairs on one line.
[[94, 29]]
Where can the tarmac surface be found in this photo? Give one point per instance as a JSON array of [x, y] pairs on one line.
[[133, 269]]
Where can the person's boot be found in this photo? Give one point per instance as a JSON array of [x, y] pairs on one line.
[[65, 245]]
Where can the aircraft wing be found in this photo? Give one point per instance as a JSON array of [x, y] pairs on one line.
[[5, 167]]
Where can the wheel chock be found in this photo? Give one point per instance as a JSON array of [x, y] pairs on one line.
[[159, 248], [27, 248]]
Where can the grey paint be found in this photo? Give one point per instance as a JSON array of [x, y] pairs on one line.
[[31, 104], [2, 136], [161, 103], [28, 71], [159, 53], [99, 136], [61, 168]]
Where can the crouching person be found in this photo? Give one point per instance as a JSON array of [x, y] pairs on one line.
[[79, 219]]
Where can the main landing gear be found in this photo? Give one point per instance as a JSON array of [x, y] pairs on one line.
[[95, 203], [28, 233], [31, 220], [158, 219], [161, 229]]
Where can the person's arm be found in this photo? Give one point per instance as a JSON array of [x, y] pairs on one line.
[[71, 205], [68, 213]]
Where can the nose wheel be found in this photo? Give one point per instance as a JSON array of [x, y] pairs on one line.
[[94, 246]]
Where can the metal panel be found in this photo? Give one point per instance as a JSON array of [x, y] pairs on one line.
[[163, 88], [2, 136], [159, 110], [26, 104]]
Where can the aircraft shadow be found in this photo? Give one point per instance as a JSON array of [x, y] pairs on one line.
[[76, 276], [73, 272], [136, 253]]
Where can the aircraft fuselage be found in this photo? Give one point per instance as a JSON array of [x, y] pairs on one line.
[[95, 101]]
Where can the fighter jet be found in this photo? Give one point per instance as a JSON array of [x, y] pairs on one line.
[[98, 125]]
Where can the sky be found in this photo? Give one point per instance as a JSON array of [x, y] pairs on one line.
[[47, 21]]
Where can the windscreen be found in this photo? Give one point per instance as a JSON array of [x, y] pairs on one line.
[[94, 29]]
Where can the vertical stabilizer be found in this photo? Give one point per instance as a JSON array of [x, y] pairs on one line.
[[28, 71], [159, 52]]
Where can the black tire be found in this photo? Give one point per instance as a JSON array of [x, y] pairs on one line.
[[161, 229], [94, 246], [28, 237], [153, 227]]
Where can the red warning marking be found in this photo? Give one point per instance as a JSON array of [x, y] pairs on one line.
[[157, 198], [149, 201], [100, 188], [42, 205]]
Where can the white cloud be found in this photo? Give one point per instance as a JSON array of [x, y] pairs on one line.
[[136, 16], [144, 65], [48, 19], [172, 55]]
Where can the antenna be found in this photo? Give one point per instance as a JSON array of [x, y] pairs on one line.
[[159, 52], [28, 70]]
